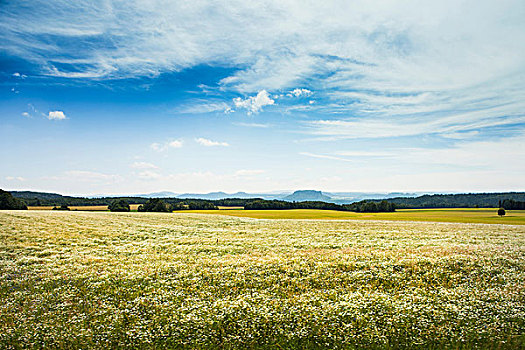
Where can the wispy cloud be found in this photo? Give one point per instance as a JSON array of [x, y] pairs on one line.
[[90, 176], [363, 154], [149, 175], [143, 165], [161, 147], [198, 107], [248, 172], [15, 178], [209, 143], [452, 123], [483, 155], [253, 125], [324, 156]]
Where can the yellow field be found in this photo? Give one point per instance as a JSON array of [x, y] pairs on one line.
[[483, 215], [466, 215], [95, 280]]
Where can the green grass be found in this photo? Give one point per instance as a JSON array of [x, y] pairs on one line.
[[482, 216], [92, 280]]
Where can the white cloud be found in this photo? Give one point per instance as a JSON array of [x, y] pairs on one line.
[[157, 146], [143, 165], [254, 104], [14, 178], [485, 155], [149, 175], [18, 75], [90, 176], [377, 127], [26, 114], [210, 143], [494, 155], [363, 154], [248, 172], [161, 147], [175, 144], [300, 92], [253, 125], [461, 135], [323, 156], [200, 107], [56, 115]]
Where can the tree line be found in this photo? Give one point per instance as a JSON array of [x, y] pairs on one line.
[[508, 200], [159, 205], [462, 200], [363, 206], [510, 204], [8, 202]]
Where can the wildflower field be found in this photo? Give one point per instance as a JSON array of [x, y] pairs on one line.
[[461, 215], [150, 280]]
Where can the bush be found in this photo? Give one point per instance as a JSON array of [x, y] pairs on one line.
[[119, 205], [201, 205], [62, 207], [7, 202], [501, 212], [155, 204]]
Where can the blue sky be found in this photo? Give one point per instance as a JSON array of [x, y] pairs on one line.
[[140, 96]]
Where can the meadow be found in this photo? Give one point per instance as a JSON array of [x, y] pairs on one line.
[[465, 215], [185, 280]]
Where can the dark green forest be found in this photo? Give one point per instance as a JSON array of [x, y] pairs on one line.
[[8, 202], [511, 204], [463, 200]]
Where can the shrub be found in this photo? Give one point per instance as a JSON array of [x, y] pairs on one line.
[[62, 207], [501, 212], [155, 204], [7, 201], [119, 205]]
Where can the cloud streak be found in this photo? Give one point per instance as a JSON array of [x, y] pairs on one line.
[[162, 147], [209, 143], [143, 165]]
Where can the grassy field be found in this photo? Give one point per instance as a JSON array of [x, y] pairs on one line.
[[151, 280], [484, 215], [466, 215]]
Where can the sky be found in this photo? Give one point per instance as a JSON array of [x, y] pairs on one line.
[[127, 97]]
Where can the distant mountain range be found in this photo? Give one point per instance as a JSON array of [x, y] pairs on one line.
[[223, 195], [297, 196]]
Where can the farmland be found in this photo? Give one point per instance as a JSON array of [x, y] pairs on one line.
[[467, 215], [459, 215], [188, 280]]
